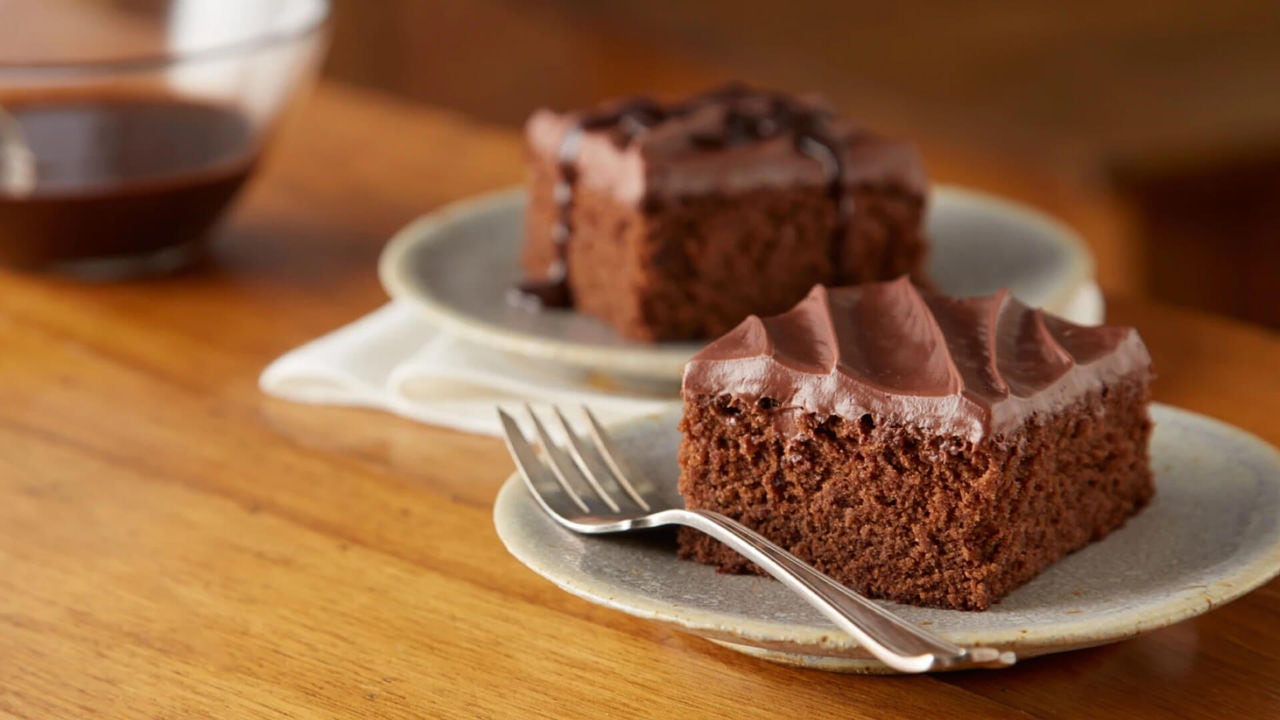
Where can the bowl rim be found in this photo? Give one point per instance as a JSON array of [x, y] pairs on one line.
[[313, 25]]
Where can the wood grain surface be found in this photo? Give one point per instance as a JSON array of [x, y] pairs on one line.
[[174, 544]]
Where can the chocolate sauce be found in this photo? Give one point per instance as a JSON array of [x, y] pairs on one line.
[[120, 176], [742, 125]]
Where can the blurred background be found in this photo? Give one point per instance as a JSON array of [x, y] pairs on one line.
[[1152, 127]]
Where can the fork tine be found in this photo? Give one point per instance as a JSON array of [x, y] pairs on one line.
[[579, 458], [534, 471], [560, 466], [605, 445]]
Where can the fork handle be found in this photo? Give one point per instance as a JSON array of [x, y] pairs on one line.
[[895, 642]]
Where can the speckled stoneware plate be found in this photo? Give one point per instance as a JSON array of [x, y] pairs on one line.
[[458, 263], [1211, 534]]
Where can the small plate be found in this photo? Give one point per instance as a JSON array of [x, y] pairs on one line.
[[1211, 534], [458, 263]]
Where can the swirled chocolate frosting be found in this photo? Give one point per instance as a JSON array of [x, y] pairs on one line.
[[971, 367]]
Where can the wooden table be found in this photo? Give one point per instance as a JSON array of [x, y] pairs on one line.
[[175, 544]]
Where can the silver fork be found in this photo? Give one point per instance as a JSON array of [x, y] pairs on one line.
[[571, 482]]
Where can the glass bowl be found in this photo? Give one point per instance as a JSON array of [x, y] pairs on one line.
[[128, 126]]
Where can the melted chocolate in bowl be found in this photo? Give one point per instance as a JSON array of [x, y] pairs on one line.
[[120, 177]]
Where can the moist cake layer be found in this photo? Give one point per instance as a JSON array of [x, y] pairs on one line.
[[901, 514]]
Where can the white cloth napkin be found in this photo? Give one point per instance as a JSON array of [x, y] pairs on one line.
[[394, 360]]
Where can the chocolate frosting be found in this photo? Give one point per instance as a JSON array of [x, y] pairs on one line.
[[725, 141], [972, 367], [728, 140]]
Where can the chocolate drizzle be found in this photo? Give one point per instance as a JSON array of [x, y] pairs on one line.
[[749, 117], [970, 367]]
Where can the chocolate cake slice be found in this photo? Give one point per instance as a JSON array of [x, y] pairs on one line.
[[677, 221], [919, 448]]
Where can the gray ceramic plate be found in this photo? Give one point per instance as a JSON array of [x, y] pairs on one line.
[[1211, 535], [458, 263]]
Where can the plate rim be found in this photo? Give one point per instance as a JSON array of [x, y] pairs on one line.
[[651, 361], [1080, 631]]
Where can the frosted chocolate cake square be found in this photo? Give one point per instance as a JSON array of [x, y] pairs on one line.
[[676, 221], [919, 448]]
